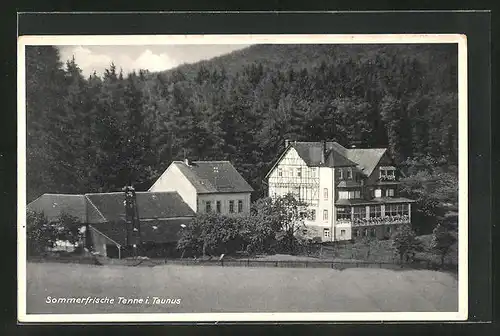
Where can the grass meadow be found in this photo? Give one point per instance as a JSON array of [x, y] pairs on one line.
[[205, 289]]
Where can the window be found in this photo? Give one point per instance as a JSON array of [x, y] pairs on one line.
[[342, 233], [355, 233], [396, 209], [341, 174], [388, 230], [349, 173], [378, 192], [375, 211], [208, 206], [291, 172], [313, 172], [365, 232], [325, 214], [325, 193], [343, 195], [280, 171], [406, 209], [218, 206], [389, 192], [387, 173], [359, 212], [354, 194], [231, 206], [299, 172], [312, 214], [240, 206], [373, 232], [343, 213], [326, 233]]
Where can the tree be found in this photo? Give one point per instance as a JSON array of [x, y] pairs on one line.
[[290, 215], [40, 235], [442, 241], [405, 243], [43, 234], [211, 234]]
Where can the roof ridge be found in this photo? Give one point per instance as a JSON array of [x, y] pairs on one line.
[[50, 194], [104, 193], [213, 161]]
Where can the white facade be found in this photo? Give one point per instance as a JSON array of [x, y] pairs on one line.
[[220, 202], [174, 180], [355, 213], [313, 185]]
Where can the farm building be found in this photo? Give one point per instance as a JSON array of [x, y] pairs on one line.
[[349, 192], [161, 215], [207, 186]]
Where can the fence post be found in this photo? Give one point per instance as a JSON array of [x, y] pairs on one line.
[[307, 264], [248, 262], [276, 263]]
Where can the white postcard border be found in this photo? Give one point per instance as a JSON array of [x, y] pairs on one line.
[[146, 40]]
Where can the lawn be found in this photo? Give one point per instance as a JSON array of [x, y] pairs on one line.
[[238, 289]]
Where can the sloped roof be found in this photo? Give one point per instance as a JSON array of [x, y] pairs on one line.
[[157, 231], [213, 177], [379, 200], [312, 154], [366, 159], [150, 205], [52, 205]]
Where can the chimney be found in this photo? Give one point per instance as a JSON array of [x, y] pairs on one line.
[[323, 151], [287, 142], [353, 146], [187, 162]]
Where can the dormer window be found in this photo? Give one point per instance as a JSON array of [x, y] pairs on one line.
[[280, 172], [341, 174], [388, 173]]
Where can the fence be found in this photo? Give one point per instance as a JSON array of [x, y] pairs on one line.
[[337, 265]]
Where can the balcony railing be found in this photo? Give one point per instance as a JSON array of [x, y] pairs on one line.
[[387, 178], [387, 220]]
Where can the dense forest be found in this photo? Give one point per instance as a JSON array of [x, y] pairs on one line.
[[99, 133]]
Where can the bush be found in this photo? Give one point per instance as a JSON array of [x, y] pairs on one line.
[[405, 243], [42, 234]]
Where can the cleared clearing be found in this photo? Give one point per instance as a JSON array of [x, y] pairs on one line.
[[238, 289]]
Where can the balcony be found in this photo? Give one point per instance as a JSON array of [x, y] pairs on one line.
[[387, 178], [387, 220]]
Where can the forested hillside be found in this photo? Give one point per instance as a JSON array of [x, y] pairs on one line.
[[102, 132]]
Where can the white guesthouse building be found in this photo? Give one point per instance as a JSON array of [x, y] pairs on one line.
[[207, 186], [349, 193]]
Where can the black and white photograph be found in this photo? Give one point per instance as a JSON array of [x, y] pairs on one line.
[[244, 178]]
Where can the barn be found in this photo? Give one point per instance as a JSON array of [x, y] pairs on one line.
[[162, 216]]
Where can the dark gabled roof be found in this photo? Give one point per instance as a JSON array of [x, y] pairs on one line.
[[366, 158], [52, 205], [312, 154], [150, 205], [157, 231], [214, 177]]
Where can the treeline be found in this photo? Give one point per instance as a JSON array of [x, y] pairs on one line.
[[102, 132]]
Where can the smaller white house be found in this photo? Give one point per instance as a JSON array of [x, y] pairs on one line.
[[206, 186]]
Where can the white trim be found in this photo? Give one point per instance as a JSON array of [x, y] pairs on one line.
[[102, 234], [100, 213]]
